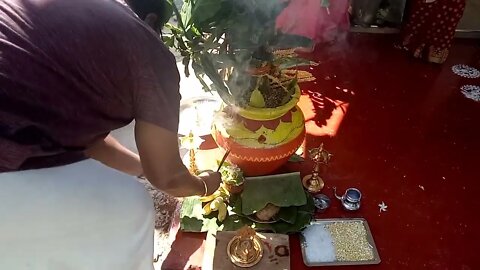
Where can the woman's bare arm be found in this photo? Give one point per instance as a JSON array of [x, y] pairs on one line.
[[113, 154], [163, 166]]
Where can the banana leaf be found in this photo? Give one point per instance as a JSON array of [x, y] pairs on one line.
[[288, 214], [283, 190], [303, 217], [302, 221], [191, 217], [292, 219]]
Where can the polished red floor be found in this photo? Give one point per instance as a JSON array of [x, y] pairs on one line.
[[401, 132], [408, 138]]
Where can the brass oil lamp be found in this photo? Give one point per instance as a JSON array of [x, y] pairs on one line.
[[313, 183]]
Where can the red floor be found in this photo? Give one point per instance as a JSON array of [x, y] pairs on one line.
[[409, 138], [401, 132]]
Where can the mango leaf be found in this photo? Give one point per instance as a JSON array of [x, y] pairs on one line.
[[198, 70], [217, 81], [167, 12], [296, 158], [223, 60], [177, 14], [290, 91], [291, 62], [186, 13], [205, 10], [168, 40], [210, 42], [192, 36], [256, 99], [284, 190], [283, 40], [182, 46], [174, 29], [292, 85], [205, 86]]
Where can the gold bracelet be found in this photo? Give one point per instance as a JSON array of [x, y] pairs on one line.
[[205, 186]]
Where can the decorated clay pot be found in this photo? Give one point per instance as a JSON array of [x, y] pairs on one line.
[[260, 140]]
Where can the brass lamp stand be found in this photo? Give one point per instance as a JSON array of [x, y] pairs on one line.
[[313, 182]]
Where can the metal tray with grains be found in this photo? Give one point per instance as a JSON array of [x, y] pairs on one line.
[[340, 241]]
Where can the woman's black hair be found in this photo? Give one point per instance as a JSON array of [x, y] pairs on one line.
[[160, 8]]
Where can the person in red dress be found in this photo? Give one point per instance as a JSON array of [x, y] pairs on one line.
[[430, 28]]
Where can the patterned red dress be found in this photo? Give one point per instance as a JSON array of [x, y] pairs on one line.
[[430, 28]]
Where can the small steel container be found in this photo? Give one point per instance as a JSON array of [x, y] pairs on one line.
[[351, 199], [322, 202]]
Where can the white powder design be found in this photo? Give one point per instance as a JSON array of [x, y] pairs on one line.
[[471, 92], [466, 71]]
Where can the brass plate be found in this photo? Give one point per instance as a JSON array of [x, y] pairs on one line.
[[236, 260]]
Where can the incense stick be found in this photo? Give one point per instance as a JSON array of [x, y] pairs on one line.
[[223, 160]]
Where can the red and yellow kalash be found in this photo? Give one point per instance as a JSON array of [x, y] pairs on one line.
[[261, 140]]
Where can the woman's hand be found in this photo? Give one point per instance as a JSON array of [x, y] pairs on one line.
[[212, 181]]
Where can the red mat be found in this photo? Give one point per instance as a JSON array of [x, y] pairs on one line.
[[402, 132]]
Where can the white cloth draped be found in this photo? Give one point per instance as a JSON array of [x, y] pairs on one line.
[[83, 216]]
